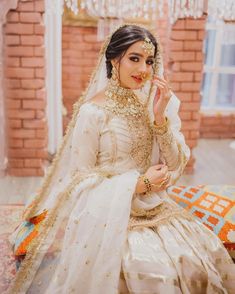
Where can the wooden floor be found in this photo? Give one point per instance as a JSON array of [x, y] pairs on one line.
[[215, 165]]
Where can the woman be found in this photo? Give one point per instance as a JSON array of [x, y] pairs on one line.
[[105, 223]]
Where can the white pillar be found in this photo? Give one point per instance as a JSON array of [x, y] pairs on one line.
[[5, 6], [53, 46]]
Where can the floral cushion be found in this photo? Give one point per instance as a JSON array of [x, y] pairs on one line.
[[213, 206]]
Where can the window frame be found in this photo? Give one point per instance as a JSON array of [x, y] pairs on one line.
[[216, 69]]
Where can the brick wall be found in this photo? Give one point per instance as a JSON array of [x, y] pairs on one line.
[[186, 61], [217, 125], [79, 57], [24, 71]]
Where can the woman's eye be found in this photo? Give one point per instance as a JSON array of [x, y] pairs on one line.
[[135, 59], [149, 62]]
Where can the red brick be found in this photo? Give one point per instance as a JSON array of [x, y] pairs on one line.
[[182, 77], [194, 134], [198, 77], [73, 68], [190, 125], [40, 73], [33, 162], [12, 16], [21, 114], [96, 47], [40, 5], [201, 35], [90, 38], [184, 96], [183, 35], [41, 94], [39, 51], [40, 114], [32, 40], [174, 66], [191, 66], [197, 24], [175, 86], [19, 29], [14, 123], [20, 93], [22, 134], [185, 115], [42, 154], [42, 134], [21, 153], [40, 172], [25, 6], [15, 143], [193, 87], [13, 104], [193, 45], [30, 17], [183, 56], [16, 162], [32, 62], [190, 106], [12, 61], [39, 29], [199, 56], [12, 40], [17, 72], [197, 97], [20, 51], [210, 120], [12, 83], [196, 115], [227, 120], [33, 84], [23, 172], [35, 143], [34, 124], [176, 45], [34, 104]]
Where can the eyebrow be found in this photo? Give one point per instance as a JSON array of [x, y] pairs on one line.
[[140, 55]]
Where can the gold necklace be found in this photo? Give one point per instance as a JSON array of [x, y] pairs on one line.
[[124, 103]]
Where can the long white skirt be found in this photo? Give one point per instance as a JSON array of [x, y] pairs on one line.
[[180, 256]]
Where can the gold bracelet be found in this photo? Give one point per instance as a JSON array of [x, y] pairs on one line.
[[147, 183], [162, 183], [162, 128]]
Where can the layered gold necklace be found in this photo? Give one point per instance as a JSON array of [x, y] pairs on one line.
[[125, 104]]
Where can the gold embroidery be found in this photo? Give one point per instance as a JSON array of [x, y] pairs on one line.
[[124, 103], [158, 215]]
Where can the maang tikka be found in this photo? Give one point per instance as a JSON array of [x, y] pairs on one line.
[[148, 46]]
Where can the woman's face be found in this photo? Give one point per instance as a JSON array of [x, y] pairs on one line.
[[135, 67]]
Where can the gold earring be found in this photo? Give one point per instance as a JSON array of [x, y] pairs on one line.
[[114, 77]]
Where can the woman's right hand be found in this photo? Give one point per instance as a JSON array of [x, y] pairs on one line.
[[156, 174]]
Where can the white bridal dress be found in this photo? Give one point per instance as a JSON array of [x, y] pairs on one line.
[[109, 240]]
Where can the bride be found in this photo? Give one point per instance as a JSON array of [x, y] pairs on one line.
[[102, 221]]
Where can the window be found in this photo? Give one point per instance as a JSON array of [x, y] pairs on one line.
[[218, 87]]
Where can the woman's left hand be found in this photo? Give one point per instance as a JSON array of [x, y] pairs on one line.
[[162, 97]]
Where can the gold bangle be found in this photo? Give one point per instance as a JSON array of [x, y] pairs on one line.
[[162, 183], [147, 183], [161, 129]]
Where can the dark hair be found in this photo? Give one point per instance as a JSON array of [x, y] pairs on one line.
[[122, 39]]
